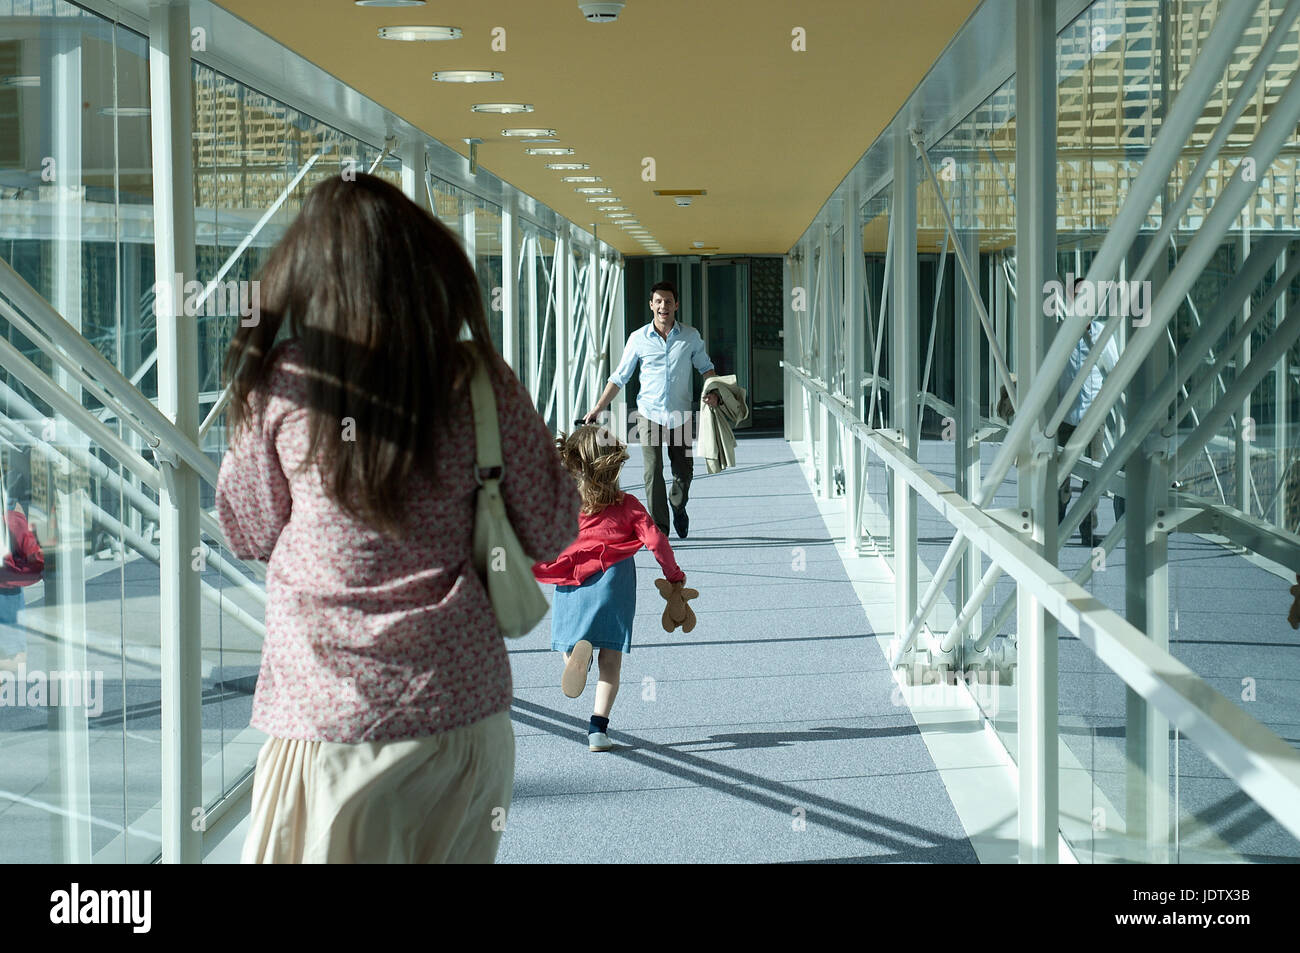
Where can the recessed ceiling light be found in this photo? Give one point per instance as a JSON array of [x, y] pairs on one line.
[[568, 165], [502, 108], [601, 198], [542, 139], [468, 76], [549, 152], [124, 112], [593, 190], [580, 178], [614, 208], [390, 3], [15, 82], [419, 33], [612, 214], [528, 132]]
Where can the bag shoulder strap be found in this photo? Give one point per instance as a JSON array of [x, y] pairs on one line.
[[487, 432]]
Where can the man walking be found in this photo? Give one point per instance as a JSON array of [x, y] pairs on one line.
[[666, 352], [1082, 401]]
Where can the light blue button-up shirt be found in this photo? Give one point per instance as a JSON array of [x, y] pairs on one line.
[[1092, 385], [665, 395]]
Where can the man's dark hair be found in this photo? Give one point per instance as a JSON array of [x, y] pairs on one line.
[[665, 286]]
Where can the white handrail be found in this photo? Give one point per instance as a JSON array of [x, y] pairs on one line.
[[1264, 766], [132, 407]]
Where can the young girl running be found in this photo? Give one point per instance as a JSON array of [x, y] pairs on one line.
[[595, 578]]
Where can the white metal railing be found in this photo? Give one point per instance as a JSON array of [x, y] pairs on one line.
[[1263, 765]]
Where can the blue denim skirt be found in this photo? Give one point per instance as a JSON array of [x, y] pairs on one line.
[[600, 610], [13, 638]]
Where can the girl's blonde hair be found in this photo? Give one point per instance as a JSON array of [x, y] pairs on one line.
[[594, 456]]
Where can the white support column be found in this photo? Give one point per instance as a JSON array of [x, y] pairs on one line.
[[173, 183], [413, 163], [854, 327], [1001, 296], [903, 373], [966, 351], [1281, 417], [595, 354], [469, 232], [1241, 445], [509, 287], [562, 266], [1146, 592], [529, 359], [1037, 756], [617, 339], [790, 390], [825, 361], [68, 734]]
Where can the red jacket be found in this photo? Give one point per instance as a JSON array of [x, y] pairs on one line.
[[607, 537], [24, 562]]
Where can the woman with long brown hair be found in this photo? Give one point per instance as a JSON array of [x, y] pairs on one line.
[[384, 685]]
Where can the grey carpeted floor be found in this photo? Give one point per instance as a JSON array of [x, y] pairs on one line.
[[767, 734]]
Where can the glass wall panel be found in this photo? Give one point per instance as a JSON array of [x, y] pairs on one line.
[[487, 263], [79, 677], [252, 156], [543, 302]]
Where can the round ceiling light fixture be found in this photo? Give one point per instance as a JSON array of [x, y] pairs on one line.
[[468, 76], [528, 132], [414, 34], [501, 108], [606, 11]]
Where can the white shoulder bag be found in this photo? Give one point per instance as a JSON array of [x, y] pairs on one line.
[[502, 564]]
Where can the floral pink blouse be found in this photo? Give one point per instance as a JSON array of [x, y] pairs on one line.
[[370, 638]]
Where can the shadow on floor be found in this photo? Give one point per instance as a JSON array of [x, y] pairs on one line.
[[902, 841]]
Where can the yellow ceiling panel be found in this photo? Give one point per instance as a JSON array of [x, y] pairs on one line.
[[715, 92]]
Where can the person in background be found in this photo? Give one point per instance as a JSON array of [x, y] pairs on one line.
[[23, 564], [666, 351], [385, 684], [1082, 401]]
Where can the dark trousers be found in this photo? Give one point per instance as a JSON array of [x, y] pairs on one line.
[[652, 437], [1063, 435]]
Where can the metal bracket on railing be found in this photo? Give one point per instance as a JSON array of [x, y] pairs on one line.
[[168, 462], [1156, 443], [1008, 517], [1025, 522]]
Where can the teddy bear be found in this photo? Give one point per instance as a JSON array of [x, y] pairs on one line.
[[677, 611]]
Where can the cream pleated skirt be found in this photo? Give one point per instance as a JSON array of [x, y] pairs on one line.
[[441, 799]]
